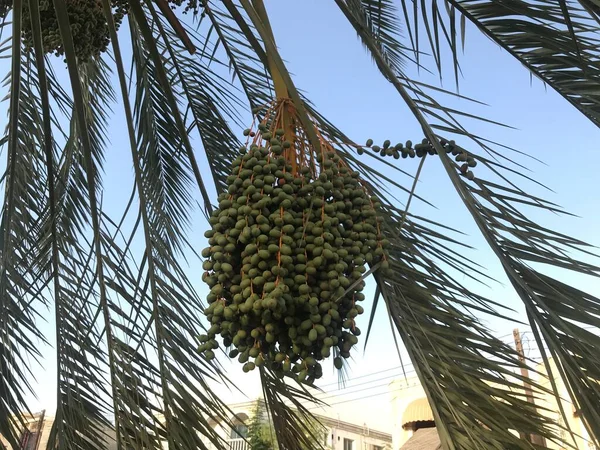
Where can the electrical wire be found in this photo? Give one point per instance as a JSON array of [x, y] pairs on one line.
[[329, 394], [332, 395], [369, 385], [391, 369], [368, 375], [370, 381], [357, 399]]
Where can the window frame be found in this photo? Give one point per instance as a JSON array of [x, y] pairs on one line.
[[235, 431], [350, 442]]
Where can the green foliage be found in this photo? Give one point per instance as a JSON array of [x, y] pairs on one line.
[[261, 435]]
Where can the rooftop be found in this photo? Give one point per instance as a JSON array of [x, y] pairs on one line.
[[423, 439]]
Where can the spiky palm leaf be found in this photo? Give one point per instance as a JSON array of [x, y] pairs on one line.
[[127, 315], [516, 241], [23, 272], [96, 284], [557, 41]]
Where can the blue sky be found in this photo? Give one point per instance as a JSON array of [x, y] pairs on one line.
[[330, 65]]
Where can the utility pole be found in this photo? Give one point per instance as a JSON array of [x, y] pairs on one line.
[[533, 438]]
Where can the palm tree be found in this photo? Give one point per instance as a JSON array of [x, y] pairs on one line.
[[127, 324]]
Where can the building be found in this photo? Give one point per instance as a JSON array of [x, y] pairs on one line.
[[414, 426], [37, 433], [423, 439], [574, 420], [336, 435]]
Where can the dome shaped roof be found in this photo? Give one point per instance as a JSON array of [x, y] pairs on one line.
[[417, 411]]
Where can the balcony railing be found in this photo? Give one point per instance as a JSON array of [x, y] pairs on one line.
[[238, 444]]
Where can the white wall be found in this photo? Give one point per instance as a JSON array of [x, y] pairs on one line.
[[336, 438], [403, 393]]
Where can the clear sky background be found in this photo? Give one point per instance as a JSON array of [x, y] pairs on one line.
[[330, 65]]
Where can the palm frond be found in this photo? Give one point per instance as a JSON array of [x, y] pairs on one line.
[[71, 185], [161, 319], [563, 315], [80, 416], [158, 78], [436, 319], [514, 239], [207, 96], [23, 267], [557, 42], [162, 148], [240, 45], [292, 420], [381, 17], [137, 380], [81, 411]]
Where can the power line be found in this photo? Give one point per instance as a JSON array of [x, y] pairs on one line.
[[501, 338], [332, 395], [325, 396], [359, 398], [391, 369], [369, 374], [370, 381], [347, 390]]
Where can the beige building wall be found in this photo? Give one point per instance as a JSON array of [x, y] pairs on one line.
[[581, 441], [46, 428], [32, 425], [403, 393]]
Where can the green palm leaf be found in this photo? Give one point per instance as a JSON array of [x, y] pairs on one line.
[[205, 94], [165, 319], [555, 41], [531, 242], [242, 48], [561, 314], [162, 149], [80, 417], [291, 418], [23, 269], [381, 18]]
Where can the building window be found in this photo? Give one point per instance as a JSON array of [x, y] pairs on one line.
[[376, 447], [240, 431], [348, 444]]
